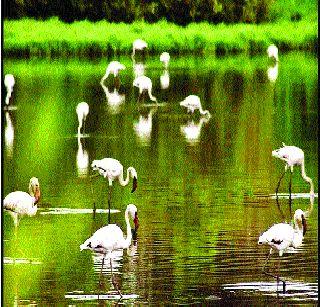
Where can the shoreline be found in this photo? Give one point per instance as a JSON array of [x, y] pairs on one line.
[[27, 38]]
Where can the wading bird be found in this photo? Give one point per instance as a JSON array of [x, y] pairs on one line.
[[110, 238], [144, 84], [281, 237], [22, 203], [165, 58], [82, 112], [192, 103], [273, 52], [113, 169], [9, 83], [138, 44], [292, 155], [113, 68]]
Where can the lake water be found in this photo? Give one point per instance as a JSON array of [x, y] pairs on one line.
[[205, 186]]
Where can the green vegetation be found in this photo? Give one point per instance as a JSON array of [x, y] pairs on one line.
[[53, 38]]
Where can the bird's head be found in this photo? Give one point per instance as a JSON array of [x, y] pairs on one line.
[[34, 188], [300, 220], [134, 177], [133, 212], [281, 153]]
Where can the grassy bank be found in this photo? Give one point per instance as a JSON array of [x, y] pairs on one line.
[[52, 38]]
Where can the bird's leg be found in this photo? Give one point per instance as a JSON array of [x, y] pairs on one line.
[[279, 279], [114, 281], [290, 184], [282, 215], [94, 202], [278, 185], [109, 203], [100, 283]]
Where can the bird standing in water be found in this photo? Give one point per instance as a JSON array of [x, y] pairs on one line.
[[112, 169], [192, 103], [283, 236], [22, 203], [292, 155], [110, 238]]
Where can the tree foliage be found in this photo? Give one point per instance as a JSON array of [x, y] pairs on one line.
[[181, 12]]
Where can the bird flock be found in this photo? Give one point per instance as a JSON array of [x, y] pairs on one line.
[[110, 238]]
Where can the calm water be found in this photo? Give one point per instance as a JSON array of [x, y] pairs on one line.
[[204, 186]]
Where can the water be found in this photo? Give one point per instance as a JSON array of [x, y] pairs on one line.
[[205, 187]]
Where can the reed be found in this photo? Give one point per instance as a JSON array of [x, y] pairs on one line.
[[53, 38]]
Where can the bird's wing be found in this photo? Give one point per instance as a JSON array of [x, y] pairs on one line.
[[20, 202]]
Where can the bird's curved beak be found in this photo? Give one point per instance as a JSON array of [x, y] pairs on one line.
[[134, 184], [37, 194], [304, 224], [136, 222]]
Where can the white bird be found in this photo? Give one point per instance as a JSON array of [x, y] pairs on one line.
[[112, 169], [273, 52], [144, 84], [9, 83], [292, 155], [165, 58], [110, 238], [283, 237], [82, 110], [192, 103], [138, 44], [113, 68], [23, 203]]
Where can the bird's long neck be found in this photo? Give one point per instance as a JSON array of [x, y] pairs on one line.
[[150, 95], [122, 181], [306, 178], [129, 234]]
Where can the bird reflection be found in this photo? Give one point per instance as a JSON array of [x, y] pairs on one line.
[[82, 159], [139, 69], [272, 72], [9, 135], [9, 83], [82, 110], [192, 131], [114, 99], [165, 79], [143, 128]]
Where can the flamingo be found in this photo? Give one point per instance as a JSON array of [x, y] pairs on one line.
[[192, 103], [281, 237], [138, 44], [110, 238], [113, 68], [273, 52], [9, 83], [165, 58], [113, 169], [82, 110], [23, 203], [144, 84], [292, 155]]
